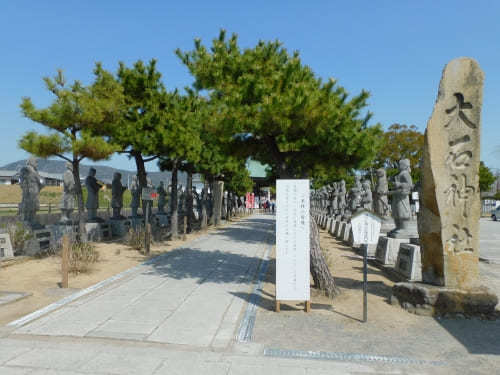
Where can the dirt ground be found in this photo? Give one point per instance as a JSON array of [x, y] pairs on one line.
[[41, 276], [347, 268]]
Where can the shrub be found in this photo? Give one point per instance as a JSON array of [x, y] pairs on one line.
[[135, 238], [18, 236], [82, 256]]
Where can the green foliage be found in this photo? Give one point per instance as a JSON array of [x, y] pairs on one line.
[[273, 107], [74, 115], [401, 142], [239, 182], [486, 178]]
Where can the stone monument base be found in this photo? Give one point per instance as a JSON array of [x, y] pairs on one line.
[[120, 227], [331, 228], [60, 229], [431, 300], [408, 229], [6, 250], [409, 263], [388, 249], [351, 242], [137, 222], [98, 231], [336, 230], [41, 240], [162, 220], [347, 232], [387, 226]]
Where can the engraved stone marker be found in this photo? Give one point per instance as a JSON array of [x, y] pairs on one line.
[[450, 204], [292, 240], [5, 246]]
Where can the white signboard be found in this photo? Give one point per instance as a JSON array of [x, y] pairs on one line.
[[365, 227], [292, 240]]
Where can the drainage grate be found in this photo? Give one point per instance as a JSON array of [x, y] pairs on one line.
[[248, 322], [337, 356]]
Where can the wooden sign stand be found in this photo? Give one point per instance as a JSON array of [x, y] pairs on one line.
[[307, 306]]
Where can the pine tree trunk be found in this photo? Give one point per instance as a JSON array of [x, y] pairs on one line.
[[174, 219], [323, 279], [204, 208], [218, 193], [79, 200], [189, 201], [142, 176]]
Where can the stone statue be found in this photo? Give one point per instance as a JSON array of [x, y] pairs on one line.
[[93, 188], [341, 197], [367, 198], [117, 190], [68, 198], [162, 198], [182, 199], [334, 199], [135, 190], [381, 191], [355, 195], [401, 210], [30, 186]]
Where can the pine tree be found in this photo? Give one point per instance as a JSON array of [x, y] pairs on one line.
[[77, 113]]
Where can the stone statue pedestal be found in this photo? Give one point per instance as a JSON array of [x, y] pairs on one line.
[[336, 230], [42, 240], [409, 262], [162, 220], [351, 242], [405, 229], [60, 229], [120, 227], [136, 222], [431, 300], [388, 225], [6, 250], [346, 233], [331, 227], [388, 249], [97, 232]]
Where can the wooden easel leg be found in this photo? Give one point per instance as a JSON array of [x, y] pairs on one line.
[[277, 307], [308, 306]]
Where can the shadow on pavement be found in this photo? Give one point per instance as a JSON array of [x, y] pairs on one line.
[[477, 336], [217, 266]]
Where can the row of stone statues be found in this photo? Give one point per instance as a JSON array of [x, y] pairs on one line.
[[334, 200]]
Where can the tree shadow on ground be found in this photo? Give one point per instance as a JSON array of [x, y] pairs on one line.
[[476, 335], [216, 266]]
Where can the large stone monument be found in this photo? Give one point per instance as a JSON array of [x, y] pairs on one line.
[[68, 198], [450, 202], [30, 186], [92, 203]]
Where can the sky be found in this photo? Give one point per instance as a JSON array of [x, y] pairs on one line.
[[394, 49]]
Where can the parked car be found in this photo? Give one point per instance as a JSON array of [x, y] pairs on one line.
[[495, 215]]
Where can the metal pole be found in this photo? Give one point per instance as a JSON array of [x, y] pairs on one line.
[[365, 285], [146, 229]]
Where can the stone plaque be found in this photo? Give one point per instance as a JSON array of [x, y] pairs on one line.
[[408, 262], [292, 240], [449, 200]]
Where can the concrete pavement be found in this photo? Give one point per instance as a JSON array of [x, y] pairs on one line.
[[489, 241]]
